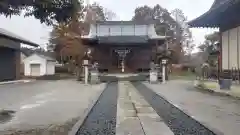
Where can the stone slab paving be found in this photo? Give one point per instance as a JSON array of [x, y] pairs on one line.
[[136, 116], [54, 110], [219, 113], [127, 120]]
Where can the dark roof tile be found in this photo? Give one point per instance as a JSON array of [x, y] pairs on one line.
[[218, 3], [210, 18], [123, 39], [12, 36]]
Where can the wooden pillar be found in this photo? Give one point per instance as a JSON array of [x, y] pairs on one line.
[[228, 50], [238, 48], [238, 45], [220, 56], [18, 63]]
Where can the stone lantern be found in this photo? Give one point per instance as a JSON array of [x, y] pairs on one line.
[[86, 64]]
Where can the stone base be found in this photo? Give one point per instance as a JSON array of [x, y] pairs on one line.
[[153, 77]]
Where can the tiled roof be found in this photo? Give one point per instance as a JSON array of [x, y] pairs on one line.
[[12, 36], [46, 57], [122, 39], [218, 3], [210, 18]]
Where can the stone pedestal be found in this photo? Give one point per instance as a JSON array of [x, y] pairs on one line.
[[94, 78], [153, 76]]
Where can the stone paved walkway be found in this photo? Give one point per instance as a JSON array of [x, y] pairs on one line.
[[219, 113], [136, 116]]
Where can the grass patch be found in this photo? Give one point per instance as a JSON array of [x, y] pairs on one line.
[[185, 75], [211, 85]]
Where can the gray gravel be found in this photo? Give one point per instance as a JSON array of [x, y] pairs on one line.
[[102, 118], [129, 78], [178, 121]]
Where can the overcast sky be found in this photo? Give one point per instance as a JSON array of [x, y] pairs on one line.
[[33, 30]]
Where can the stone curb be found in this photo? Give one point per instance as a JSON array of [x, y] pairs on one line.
[[16, 81], [215, 131], [77, 125], [216, 92]]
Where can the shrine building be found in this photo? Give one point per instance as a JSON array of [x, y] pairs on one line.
[[123, 46], [224, 14]]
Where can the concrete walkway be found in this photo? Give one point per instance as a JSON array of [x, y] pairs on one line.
[[136, 116], [219, 113], [53, 111]]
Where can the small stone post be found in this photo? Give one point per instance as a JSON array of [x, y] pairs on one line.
[[86, 70], [122, 65], [153, 77], [164, 62]]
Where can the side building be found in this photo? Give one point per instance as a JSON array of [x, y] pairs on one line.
[[10, 55], [224, 15], [123, 44]]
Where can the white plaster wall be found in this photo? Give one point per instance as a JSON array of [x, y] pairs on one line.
[[141, 30], [103, 30], [50, 68], [128, 30], [34, 59], [115, 30], [121, 30], [230, 49], [225, 50], [233, 48]]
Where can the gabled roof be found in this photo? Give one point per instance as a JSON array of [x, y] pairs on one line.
[[14, 37], [26, 52], [211, 17], [46, 57], [43, 56]]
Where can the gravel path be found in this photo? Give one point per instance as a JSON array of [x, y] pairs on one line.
[[102, 118], [179, 122]]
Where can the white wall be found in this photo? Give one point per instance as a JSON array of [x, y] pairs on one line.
[[50, 68], [225, 50], [141, 30], [231, 48], [121, 30], [34, 59]]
